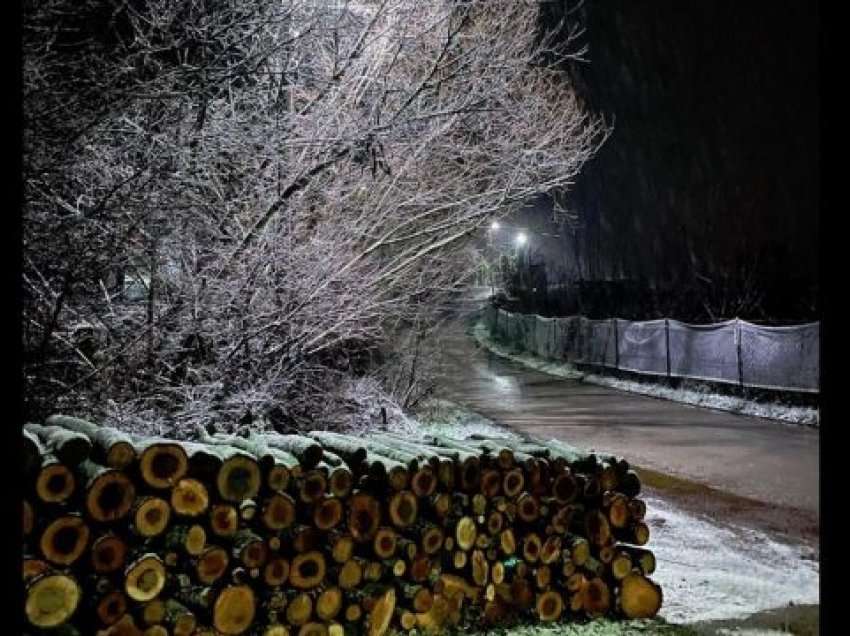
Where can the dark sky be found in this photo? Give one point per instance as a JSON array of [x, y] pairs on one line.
[[711, 174]]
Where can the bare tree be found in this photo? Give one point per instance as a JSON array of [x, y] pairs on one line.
[[260, 206]]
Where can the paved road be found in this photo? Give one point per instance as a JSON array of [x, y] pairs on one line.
[[765, 460]]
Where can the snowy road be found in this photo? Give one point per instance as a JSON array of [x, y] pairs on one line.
[[764, 460]]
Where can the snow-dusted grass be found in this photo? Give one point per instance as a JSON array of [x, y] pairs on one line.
[[696, 395]]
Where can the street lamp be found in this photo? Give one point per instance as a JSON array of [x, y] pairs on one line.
[[521, 238], [494, 225]]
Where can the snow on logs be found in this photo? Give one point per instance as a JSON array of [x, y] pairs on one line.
[[323, 533]]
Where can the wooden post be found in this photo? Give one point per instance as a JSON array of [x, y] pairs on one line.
[[616, 345], [738, 351], [667, 341]]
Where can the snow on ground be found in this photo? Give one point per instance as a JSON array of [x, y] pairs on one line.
[[707, 570], [698, 396]]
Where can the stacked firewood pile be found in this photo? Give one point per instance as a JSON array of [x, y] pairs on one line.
[[323, 534]]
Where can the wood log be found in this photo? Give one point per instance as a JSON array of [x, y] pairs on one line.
[[528, 508], [51, 598], [329, 603], [33, 567], [150, 516], [630, 484], [69, 446], [299, 609], [384, 543], [108, 554], [465, 533], [179, 618], [639, 597], [276, 572], [109, 492], [621, 565], [152, 612], [364, 516], [432, 539], [65, 540], [597, 528], [307, 570], [234, 609], [513, 482], [507, 541], [249, 548], [340, 481], [579, 549], [636, 533], [349, 448], [403, 509], [211, 564], [239, 477], [110, 446], [190, 498], [224, 520], [144, 577], [342, 546], [642, 558], [596, 598], [54, 482], [162, 462], [190, 539], [109, 607], [278, 512], [327, 513], [205, 461], [531, 546], [304, 448], [382, 613], [311, 486], [549, 606], [616, 507]]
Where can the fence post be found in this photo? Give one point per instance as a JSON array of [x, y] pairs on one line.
[[616, 346], [738, 348], [667, 343]]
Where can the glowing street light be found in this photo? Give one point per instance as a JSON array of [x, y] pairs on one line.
[[494, 225], [521, 238]]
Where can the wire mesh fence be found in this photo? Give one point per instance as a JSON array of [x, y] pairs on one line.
[[732, 352]]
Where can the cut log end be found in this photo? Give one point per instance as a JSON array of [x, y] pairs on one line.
[[224, 520], [550, 606], [278, 512], [54, 483], [234, 609], [144, 578], [162, 465], [239, 478], [382, 614], [108, 554], [110, 496], [364, 517], [328, 513], [403, 509], [190, 498], [151, 516], [65, 540], [639, 597], [307, 570], [51, 599], [465, 533], [212, 564]]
